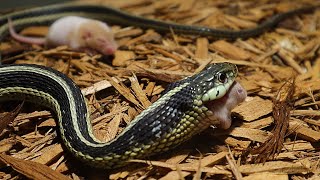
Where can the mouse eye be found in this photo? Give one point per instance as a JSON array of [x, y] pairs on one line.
[[86, 35], [101, 41], [222, 77]]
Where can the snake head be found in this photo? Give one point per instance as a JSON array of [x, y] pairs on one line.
[[217, 90], [214, 81]]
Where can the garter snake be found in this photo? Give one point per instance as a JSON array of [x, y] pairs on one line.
[[47, 14], [177, 115]]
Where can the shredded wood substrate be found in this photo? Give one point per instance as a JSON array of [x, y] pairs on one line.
[[275, 133]]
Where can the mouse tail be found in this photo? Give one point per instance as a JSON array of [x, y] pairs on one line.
[[24, 39]]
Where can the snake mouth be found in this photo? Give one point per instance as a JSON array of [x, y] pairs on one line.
[[221, 108]]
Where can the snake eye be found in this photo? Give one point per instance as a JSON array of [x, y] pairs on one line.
[[222, 77]]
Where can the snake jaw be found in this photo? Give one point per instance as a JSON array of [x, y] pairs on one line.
[[221, 108], [217, 92]]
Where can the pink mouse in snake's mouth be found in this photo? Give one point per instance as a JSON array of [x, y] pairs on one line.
[[222, 107]]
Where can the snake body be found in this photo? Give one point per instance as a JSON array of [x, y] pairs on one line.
[[48, 14], [175, 117]]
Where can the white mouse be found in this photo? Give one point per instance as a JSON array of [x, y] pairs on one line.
[[78, 33]]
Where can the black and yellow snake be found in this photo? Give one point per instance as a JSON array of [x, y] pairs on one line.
[[180, 113]]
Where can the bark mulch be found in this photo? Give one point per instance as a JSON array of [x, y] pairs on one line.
[[275, 132]]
